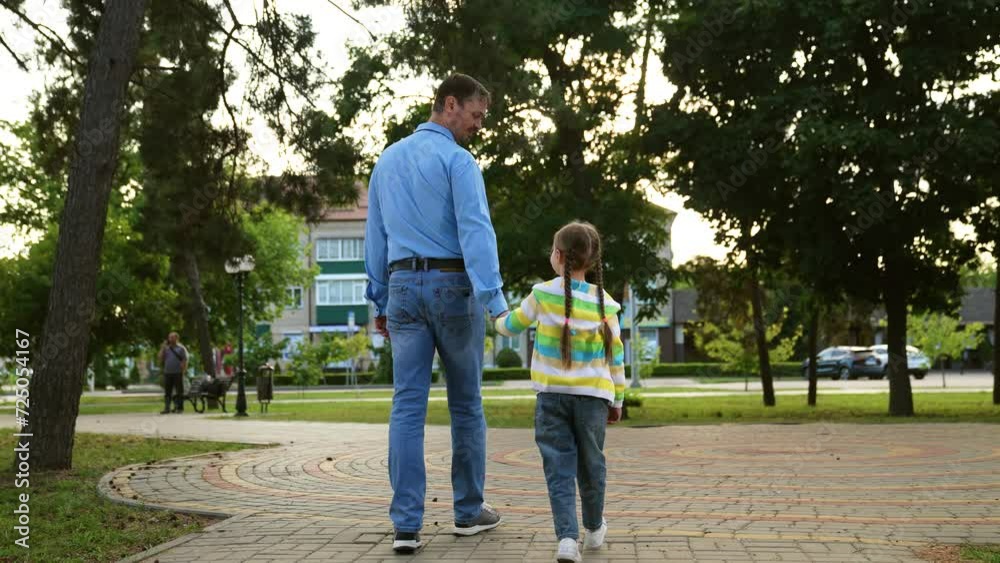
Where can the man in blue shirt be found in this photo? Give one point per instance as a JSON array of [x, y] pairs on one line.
[[431, 259]]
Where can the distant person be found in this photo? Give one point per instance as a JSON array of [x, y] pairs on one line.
[[578, 369], [173, 357], [431, 258]]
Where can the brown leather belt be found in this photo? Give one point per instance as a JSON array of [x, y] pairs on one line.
[[455, 264]]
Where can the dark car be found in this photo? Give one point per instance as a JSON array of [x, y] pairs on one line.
[[846, 362]]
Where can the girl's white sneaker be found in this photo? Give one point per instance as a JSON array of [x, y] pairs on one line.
[[568, 551], [593, 539]]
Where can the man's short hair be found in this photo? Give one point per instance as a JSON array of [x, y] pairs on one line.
[[462, 87]]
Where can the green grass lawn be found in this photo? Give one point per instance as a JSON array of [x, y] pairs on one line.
[[987, 553], [70, 521], [133, 404], [930, 407]]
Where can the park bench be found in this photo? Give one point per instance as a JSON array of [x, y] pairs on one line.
[[207, 388]]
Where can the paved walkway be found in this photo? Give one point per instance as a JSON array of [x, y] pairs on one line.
[[812, 492]]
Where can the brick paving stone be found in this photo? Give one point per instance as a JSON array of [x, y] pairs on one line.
[[688, 493]]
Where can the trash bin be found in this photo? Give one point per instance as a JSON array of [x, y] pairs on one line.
[[265, 386]]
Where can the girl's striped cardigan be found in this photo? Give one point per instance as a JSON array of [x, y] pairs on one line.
[[590, 373]]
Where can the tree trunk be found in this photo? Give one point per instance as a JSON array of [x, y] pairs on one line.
[[61, 363], [900, 392], [996, 326], [640, 96], [760, 337], [813, 352], [199, 309]]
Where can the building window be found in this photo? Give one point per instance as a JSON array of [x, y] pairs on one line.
[[341, 292], [650, 341], [294, 297], [514, 343], [292, 341], [340, 249]]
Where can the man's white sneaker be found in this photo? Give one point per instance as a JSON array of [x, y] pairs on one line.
[[594, 539], [568, 551]]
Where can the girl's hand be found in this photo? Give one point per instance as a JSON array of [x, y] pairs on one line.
[[614, 414]]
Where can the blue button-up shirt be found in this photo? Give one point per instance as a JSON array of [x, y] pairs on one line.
[[427, 199]]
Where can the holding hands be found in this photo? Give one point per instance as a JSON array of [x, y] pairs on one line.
[[614, 415]]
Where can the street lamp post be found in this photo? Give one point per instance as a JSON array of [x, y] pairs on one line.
[[350, 333], [636, 344], [240, 267]]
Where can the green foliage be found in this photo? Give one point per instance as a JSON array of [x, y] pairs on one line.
[[383, 369], [505, 374], [556, 72], [357, 346], [308, 363], [633, 398], [938, 335], [979, 275], [182, 182], [135, 301], [855, 120], [259, 349], [275, 236], [508, 358], [110, 371], [733, 344], [134, 376], [984, 553]]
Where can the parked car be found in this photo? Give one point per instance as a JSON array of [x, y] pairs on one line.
[[846, 362], [917, 363]]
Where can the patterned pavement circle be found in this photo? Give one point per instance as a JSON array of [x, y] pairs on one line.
[[812, 492]]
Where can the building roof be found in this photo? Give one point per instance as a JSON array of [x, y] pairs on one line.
[[357, 212], [978, 305], [685, 305]]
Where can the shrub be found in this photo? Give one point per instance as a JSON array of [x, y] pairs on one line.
[[508, 358], [506, 374], [633, 398]]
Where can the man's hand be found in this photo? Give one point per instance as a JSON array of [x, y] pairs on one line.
[[381, 326], [614, 415]]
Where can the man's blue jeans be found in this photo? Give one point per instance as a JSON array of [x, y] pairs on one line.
[[569, 431], [427, 311]]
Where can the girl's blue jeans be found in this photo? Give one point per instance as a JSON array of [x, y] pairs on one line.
[[569, 431]]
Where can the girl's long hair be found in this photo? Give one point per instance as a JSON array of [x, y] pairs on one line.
[[579, 243]]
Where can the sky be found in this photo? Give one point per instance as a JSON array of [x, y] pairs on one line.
[[692, 235]]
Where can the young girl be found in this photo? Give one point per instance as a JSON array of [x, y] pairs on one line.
[[578, 370]]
